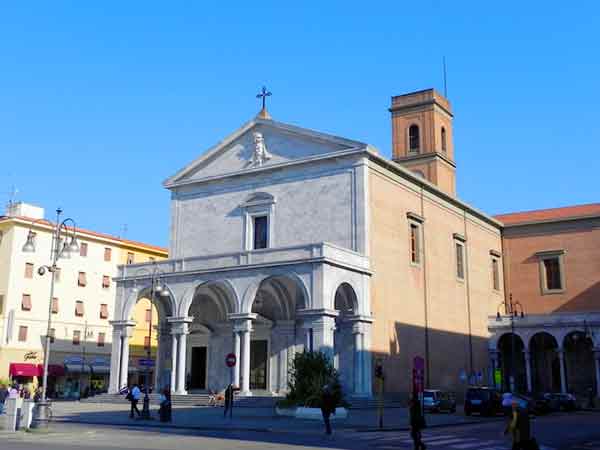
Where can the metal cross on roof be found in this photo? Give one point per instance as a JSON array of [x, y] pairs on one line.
[[263, 94]]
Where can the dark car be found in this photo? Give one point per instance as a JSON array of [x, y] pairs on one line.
[[566, 402], [435, 400], [483, 400]]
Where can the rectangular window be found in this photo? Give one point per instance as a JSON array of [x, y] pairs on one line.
[[260, 228], [495, 274], [76, 337], [104, 311], [107, 254], [148, 315], [57, 274], [22, 334], [415, 243], [54, 305], [28, 270], [79, 308], [130, 258], [83, 249], [81, 279], [105, 281], [460, 260], [101, 338], [26, 302], [52, 335], [146, 342], [552, 269]]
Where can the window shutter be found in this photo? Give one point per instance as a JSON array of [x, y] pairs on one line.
[[105, 281], [76, 337], [52, 335], [104, 311], [28, 270], [107, 254], [79, 308], [26, 302], [146, 342], [55, 305], [83, 249], [101, 339], [22, 334], [81, 280]]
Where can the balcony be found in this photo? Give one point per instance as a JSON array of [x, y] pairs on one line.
[[320, 252]]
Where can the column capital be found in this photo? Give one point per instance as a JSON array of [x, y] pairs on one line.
[[317, 313], [121, 324], [180, 325]]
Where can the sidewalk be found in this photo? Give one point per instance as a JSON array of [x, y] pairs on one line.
[[244, 419]]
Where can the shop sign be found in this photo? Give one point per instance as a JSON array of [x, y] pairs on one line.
[[74, 360], [30, 355], [99, 361], [145, 362]]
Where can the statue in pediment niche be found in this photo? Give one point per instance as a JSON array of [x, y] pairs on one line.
[[260, 154]]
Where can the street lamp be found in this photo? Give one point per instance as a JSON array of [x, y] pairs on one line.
[[61, 248], [155, 287], [512, 309]]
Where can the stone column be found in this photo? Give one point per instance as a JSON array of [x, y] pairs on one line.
[[236, 351], [527, 355], [563, 376], [322, 323], [245, 366], [597, 363], [358, 362], [115, 362], [173, 362], [157, 364], [308, 342], [124, 359], [181, 363]]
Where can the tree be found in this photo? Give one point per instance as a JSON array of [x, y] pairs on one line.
[[309, 373]]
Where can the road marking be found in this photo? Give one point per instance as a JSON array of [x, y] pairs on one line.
[[447, 441], [473, 444]]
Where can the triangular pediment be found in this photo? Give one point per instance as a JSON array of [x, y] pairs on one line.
[[261, 144]]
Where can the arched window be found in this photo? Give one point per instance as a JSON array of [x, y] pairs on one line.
[[444, 148], [413, 138]]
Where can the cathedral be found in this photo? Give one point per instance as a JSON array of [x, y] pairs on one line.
[[285, 239]]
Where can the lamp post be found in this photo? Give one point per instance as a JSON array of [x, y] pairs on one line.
[[155, 287], [512, 309], [60, 229]]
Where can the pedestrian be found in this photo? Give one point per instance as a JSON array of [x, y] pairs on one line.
[[37, 396], [3, 397], [228, 401], [134, 397], [519, 428], [13, 392], [328, 405], [417, 422], [164, 411]]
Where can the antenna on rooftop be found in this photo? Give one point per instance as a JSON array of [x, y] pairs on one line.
[[12, 197], [445, 78]]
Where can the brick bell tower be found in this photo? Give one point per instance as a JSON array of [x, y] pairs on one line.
[[422, 137]]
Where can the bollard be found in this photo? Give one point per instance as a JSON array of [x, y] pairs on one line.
[[11, 414], [42, 413], [26, 413]]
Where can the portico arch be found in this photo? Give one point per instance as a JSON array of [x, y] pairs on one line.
[[347, 342], [209, 335], [545, 363], [579, 363], [512, 362]]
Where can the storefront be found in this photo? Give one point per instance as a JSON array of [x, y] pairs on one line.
[[77, 378], [100, 368], [56, 374], [25, 374]]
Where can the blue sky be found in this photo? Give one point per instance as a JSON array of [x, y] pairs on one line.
[[99, 103]]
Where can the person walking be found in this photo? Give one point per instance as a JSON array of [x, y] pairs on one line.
[[519, 428], [3, 397], [417, 422], [13, 392], [134, 397], [229, 393], [164, 411], [328, 405]]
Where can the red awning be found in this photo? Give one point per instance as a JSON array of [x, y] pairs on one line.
[[54, 370], [23, 370]]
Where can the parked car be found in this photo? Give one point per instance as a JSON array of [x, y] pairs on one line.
[[483, 400], [566, 402], [435, 400]]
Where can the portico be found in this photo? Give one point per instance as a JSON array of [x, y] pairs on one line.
[[261, 307]]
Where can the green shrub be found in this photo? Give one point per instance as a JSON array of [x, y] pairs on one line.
[[309, 373]]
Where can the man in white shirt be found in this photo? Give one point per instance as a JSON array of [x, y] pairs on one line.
[[135, 394]]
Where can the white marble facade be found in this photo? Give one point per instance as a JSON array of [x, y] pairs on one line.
[[309, 288]]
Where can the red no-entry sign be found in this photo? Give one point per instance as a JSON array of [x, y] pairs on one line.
[[230, 360]]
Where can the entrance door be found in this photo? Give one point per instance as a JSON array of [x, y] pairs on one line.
[[258, 365], [198, 380]]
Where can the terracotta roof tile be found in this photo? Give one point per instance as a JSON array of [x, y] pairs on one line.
[[544, 215], [94, 233]]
